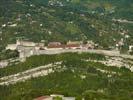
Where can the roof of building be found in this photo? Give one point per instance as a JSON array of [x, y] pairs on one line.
[[54, 43], [72, 45], [74, 42], [42, 98], [56, 46]]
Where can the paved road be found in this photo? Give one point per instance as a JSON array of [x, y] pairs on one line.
[[104, 52], [36, 71]]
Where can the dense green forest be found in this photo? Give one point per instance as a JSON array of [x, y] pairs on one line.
[[80, 79], [63, 20]]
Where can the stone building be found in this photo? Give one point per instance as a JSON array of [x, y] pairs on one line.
[[11, 47], [131, 48], [25, 43]]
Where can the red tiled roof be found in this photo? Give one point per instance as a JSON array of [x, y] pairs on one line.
[[56, 46], [54, 43], [42, 98], [72, 45]]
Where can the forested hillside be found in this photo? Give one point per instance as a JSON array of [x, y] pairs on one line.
[[76, 77], [63, 20]]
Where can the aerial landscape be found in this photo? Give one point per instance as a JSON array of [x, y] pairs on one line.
[[66, 49]]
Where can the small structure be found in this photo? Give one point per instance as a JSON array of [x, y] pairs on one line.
[[51, 97], [74, 45], [130, 48], [74, 42], [39, 46], [44, 98], [55, 45], [26, 48], [90, 45], [130, 51], [11, 47], [26, 51], [3, 64], [26, 43]]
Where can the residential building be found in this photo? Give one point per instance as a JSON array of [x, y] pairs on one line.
[[11, 47], [55, 47], [54, 44], [74, 42], [44, 98], [3, 64], [73, 46], [51, 97], [26, 43], [130, 48]]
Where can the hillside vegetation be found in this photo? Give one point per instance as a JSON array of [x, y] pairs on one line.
[[63, 20], [76, 77]]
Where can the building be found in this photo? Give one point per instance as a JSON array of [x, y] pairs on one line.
[[74, 45], [11, 47], [55, 45], [40, 44], [3, 64], [44, 98], [26, 51], [130, 48], [90, 45], [74, 42], [22, 43], [51, 97], [26, 43]]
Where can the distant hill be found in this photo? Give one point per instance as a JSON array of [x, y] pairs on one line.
[[63, 20]]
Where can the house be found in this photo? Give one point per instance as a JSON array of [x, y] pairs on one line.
[[68, 98], [74, 42], [39, 46], [130, 48], [26, 51], [11, 47], [62, 96], [3, 64], [55, 47], [51, 97], [90, 45], [44, 98], [84, 47], [54, 44], [26, 43], [74, 45]]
